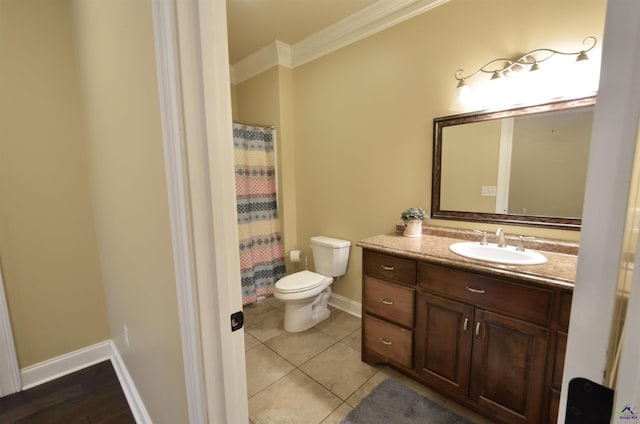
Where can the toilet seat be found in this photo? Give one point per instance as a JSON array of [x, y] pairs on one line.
[[301, 281]]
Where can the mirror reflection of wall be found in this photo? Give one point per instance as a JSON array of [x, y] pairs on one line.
[[549, 163], [470, 162], [524, 165]]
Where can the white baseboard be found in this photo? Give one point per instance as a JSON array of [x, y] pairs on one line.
[[129, 388], [347, 305], [62, 365], [68, 363]]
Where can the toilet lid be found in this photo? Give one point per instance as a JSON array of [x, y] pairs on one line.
[[301, 281]]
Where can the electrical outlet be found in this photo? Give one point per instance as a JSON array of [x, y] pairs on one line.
[[126, 337]]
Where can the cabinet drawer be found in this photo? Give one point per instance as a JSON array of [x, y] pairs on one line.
[[394, 343], [529, 303], [389, 301], [390, 268]]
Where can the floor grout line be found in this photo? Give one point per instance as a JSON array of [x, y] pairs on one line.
[[335, 341]]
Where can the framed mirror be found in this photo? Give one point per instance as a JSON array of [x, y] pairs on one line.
[[523, 166]]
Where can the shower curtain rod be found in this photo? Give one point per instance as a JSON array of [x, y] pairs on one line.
[[255, 124]]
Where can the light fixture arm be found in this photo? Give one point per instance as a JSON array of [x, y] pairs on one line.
[[502, 67]]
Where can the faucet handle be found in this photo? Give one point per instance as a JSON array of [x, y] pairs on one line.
[[521, 239], [483, 236]]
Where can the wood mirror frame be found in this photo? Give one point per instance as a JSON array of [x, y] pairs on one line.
[[510, 219]]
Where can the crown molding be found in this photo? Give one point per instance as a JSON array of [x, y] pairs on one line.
[[275, 53], [375, 18], [372, 19]]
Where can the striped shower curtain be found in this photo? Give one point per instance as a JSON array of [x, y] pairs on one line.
[[261, 250]]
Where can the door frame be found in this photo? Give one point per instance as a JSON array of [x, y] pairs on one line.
[[195, 98], [9, 371], [613, 143], [504, 165]]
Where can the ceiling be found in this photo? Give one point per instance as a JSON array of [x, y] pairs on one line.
[[252, 24]]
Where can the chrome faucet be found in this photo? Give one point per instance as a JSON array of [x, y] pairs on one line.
[[501, 240]]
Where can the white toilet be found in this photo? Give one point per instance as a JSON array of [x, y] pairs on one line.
[[305, 294]]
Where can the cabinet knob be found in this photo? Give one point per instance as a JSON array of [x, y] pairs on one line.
[[385, 301], [387, 268], [465, 325], [386, 342], [478, 330]]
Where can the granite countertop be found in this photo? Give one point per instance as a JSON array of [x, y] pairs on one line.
[[433, 246]]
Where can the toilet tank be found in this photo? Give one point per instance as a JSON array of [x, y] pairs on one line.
[[330, 255]]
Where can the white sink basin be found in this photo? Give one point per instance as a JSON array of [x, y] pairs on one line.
[[492, 253]]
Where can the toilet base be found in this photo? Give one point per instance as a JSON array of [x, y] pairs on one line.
[[301, 316]]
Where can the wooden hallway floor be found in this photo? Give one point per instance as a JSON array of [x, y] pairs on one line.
[[89, 396]]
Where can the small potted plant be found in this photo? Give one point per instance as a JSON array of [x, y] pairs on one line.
[[413, 219]]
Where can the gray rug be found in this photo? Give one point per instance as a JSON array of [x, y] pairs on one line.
[[392, 403]]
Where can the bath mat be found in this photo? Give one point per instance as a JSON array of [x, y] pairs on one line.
[[391, 402]]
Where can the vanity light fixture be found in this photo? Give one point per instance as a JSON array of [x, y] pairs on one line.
[[502, 68]]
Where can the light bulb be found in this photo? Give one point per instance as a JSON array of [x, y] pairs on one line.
[[463, 97]]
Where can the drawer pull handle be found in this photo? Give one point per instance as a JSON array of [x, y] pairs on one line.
[[465, 325], [472, 290], [477, 330], [387, 268], [386, 342], [385, 301]]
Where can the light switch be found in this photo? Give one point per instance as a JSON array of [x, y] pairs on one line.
[[489, 191]]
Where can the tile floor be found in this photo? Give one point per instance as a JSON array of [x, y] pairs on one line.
[[315, 376]]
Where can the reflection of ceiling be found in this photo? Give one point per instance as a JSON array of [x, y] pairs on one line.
[[253, 24]]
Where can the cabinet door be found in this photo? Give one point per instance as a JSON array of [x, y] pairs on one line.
[[443, 342], [507, 376]]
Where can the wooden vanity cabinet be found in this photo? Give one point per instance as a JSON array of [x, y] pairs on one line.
[[493, 344], [388, 304], [499, 356]]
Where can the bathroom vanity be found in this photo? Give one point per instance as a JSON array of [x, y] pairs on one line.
[[490, 336]]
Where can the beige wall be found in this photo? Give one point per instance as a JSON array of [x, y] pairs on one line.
[[556, 145], [48, 245], [469, 161], [364, 114], [116, 59], [84, 227]]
